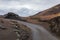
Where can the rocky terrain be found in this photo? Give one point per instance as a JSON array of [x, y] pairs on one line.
[[11, 29], [14, 30]]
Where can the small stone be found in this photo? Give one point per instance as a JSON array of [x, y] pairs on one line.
[[17, 39]]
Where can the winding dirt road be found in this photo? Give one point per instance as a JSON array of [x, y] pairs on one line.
[[38, 32]]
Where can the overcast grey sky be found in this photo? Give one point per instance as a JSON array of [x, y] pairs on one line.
[[26, 7]]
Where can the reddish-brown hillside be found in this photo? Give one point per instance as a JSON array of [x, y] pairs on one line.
[[44, 15]]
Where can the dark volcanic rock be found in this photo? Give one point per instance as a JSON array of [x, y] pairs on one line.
[[11, 15], [14, 16]]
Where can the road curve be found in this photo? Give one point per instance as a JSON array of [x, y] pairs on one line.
[[38, 32]]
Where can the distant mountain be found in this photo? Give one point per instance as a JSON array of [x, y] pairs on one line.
[[11, 15]]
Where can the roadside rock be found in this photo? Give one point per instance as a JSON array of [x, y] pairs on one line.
[[55, 25]]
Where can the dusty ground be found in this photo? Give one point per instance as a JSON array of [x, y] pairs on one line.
[[8, 30]]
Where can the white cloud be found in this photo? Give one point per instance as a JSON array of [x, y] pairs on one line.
[[37, 5]]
